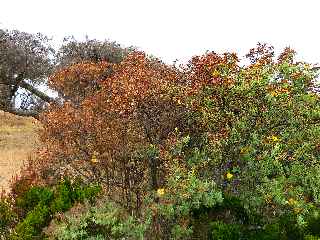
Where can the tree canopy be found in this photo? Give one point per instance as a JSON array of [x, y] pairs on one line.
[[27, 61]]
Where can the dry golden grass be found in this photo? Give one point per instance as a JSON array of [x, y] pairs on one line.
[[18, 140]]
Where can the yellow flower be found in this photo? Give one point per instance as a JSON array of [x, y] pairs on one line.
[[160, 191], [297, 210], [268, 199], [291, 201], [279, 91], [229, 175], [244, 150], [215, 74], [186, 195], [94, 159], [274, 93], [273, 138]]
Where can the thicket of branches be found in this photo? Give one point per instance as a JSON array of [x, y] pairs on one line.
[[208, 150]]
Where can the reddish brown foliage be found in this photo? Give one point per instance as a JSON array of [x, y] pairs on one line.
[[79, 80], [100, 137], [115, 112]]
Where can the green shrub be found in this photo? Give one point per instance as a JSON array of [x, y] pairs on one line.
[[31, 226], [252, 135], [62, 197], [313, 226], [30, 199], [222, 231], [106, 221], [185, 192], [40, 204], [66, 194], [268, 232], [82, 192], [310, 237], [7, 215], [231, 210]]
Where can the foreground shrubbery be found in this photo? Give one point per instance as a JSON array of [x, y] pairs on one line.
[[210, 150], [25, 216], [103, 221]]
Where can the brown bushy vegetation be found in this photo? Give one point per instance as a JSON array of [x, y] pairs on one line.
[[208, 150]]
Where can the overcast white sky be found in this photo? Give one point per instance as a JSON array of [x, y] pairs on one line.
[[173, 29]]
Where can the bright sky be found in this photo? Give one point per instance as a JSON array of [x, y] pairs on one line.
[[173, 29]]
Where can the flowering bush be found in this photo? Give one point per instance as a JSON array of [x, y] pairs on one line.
[[173, 142]]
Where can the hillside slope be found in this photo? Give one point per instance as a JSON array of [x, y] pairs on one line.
[[18, 139]]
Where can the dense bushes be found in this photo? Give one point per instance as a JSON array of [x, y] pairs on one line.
[[33, 210], [104, 221], [106, 138], [209, 150]]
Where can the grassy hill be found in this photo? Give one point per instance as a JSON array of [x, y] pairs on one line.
[[18, 139]]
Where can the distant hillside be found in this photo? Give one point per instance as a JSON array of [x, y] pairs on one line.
[[18, 139]]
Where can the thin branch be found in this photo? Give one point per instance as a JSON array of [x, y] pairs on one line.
[[315, 68]]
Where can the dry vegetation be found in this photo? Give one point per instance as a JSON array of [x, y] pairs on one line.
[[18, 139]]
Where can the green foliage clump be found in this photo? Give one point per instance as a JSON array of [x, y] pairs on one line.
[[222, 231], [38, 205], [66, 194], [31, 226], [7, 215], [30, 199], [252, 135], [105, 221], [310, 237], [186, 192]]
